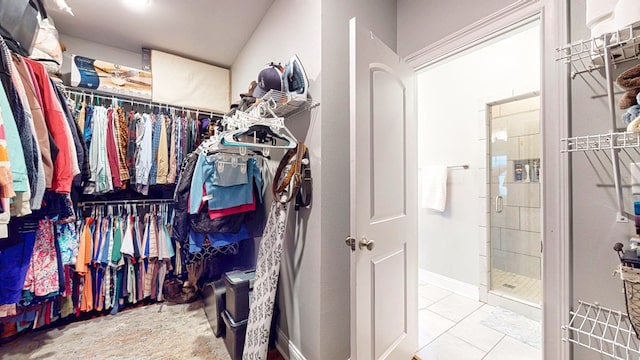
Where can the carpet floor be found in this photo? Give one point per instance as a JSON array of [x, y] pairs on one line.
[[156, 331]]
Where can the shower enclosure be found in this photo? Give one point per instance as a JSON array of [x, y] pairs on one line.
[[515, 211]]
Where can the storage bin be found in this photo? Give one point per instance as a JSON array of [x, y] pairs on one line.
[[238, 292], [234, 335], [214, 304]]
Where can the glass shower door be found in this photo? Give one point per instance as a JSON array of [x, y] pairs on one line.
[[515, 177]]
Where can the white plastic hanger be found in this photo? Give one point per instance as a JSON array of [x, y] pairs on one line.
[[242, 123]]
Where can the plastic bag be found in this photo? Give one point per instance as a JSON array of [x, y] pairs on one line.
[[47, 48], [58, 4]]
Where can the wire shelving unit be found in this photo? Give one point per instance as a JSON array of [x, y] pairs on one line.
[[604, 52], [603, 330]]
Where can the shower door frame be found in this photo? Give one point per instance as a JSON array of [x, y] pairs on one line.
[[495, 297]]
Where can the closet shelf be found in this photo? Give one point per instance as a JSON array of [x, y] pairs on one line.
[[612, 140], [286, 105], [588, 55], [604, 52], [603, 330]]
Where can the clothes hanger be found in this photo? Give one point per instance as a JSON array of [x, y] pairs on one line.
[[260, 136], [243, 125]]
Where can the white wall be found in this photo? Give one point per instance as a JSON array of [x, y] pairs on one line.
[[452, 125], [422, 23], [300, 295], [315, 294]]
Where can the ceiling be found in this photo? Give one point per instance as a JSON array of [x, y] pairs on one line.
[[205, 30]]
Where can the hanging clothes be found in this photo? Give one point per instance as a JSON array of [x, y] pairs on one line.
[[74, 131], [16, 154], [66, 164], [6, 176], [132, 144], [155, 147], [173, 156], [80, 117], [144, 156], [42, 278], [112, 151], [40, 125], [23, 127], [225, 185], [14, 265], [100, 180], [121, 130], [38, 188], [163, 152], [119, 263]]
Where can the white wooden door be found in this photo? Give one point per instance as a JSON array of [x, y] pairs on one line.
[[383, 201]]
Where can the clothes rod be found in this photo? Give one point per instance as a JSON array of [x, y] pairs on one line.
[[134, 100], [458, 167], [125, 202]]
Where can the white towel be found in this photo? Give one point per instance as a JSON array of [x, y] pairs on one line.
[[434, 187], [635, 178]]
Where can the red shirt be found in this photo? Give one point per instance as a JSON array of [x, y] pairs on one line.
[[112, 152], [56, 124]]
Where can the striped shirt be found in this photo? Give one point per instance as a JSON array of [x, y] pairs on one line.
[[157, 125]]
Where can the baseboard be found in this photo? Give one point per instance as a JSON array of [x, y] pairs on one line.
[[453, 285], [526, 309], [288, 350]]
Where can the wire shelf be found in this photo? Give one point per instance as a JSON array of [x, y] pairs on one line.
[[603, 330], [588, 55], [285, 105], [612, 140]]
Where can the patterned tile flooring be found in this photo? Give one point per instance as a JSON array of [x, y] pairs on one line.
[[453, 327]]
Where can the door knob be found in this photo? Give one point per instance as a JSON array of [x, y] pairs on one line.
[[366, 243], [351, 242]]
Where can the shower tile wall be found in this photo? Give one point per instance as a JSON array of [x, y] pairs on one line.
[[515, 233]]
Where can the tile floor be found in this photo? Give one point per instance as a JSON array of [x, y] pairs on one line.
[[453, 327], [517, 285]]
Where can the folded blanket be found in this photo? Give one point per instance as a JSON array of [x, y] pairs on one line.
[[630, 78]]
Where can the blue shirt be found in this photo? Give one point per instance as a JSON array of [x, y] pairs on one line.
[[196, 240], [218, 195]]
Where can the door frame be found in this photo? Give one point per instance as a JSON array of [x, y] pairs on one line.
[[556, 268]]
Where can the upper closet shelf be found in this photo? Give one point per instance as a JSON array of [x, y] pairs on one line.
[[608, 141], [588, 55], [286, 105]]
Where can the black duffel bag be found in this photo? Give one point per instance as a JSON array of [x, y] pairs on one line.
[[19, 23]]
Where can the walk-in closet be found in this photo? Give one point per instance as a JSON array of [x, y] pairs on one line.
[[142, 199], [319, 179]]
